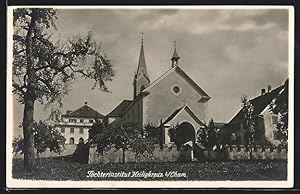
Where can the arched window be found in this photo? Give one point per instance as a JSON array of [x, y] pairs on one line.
[[71, 140], [142, 88], [81, 140]]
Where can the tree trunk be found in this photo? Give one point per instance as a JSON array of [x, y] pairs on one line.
[[29, 154], [123, 156], [29, 98]]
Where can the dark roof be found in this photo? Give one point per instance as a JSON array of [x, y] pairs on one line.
[[142, 68], [119, 110], [259, 103], [84, 111]]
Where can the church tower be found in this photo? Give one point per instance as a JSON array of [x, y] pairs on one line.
[[175, 58], [141, 77]]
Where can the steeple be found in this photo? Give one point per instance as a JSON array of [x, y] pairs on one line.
[[141, 77], [175, 58], [142, 69]]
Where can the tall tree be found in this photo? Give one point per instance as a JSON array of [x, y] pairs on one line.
[[212, 134], [279, 106], [45, 137], [248, 109], [43, 69]]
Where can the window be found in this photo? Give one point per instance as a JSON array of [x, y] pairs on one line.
[[72, 130], [81, 130], [72, 120], [71, 141], [274, 119], [91, 121], [176, 90], [62, 130], [81, 121]]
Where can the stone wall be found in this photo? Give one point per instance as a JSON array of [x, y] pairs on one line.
[[240, 152], [69, 150], [166, 154], [171, 154]]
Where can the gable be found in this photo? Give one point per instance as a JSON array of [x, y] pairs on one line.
[[177, 76], [259, 103], [183, 114]]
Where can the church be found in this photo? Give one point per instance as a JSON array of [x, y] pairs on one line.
[[170, 100]]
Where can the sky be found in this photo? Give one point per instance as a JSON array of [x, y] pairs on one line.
[[227, 52]]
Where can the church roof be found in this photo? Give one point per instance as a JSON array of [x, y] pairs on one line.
[[178, 111], [259, 104], [84, 111], [119, 110], [142, 69], [185, 76]]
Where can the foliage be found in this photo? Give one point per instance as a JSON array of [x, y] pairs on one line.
[[247, 109], [45, 136], [202, 136], [44, 67], [100, 135], [18, 145], [153, 132], [54, 63], [121, 135], [172, 132], [211, 134], [279, 106]]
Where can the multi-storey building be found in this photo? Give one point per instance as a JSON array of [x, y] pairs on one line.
[[75, 125]]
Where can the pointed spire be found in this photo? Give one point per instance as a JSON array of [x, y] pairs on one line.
[[175, 58], [142, 69]]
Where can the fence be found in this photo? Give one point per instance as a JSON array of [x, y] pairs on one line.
[[69, 150], [172, 154], [166, 154]]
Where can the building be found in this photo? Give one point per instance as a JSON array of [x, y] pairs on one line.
[[172, 99], [75, 125], [265, 121]]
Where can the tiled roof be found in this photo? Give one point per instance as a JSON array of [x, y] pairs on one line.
[[119, 110], [84, 111], [259, 103]]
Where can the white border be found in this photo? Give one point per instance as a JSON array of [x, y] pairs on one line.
[[16, 183]]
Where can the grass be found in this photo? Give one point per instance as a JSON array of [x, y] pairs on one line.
[[64, 169]]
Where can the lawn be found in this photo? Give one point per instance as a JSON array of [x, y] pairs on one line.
[[64, 169]]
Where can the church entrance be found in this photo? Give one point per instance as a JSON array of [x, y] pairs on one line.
[[184, 133]]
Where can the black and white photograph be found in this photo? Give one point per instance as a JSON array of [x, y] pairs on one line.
[[150, 96]]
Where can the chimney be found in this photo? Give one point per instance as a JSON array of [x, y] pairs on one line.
[[269, 88], [263, 91]]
